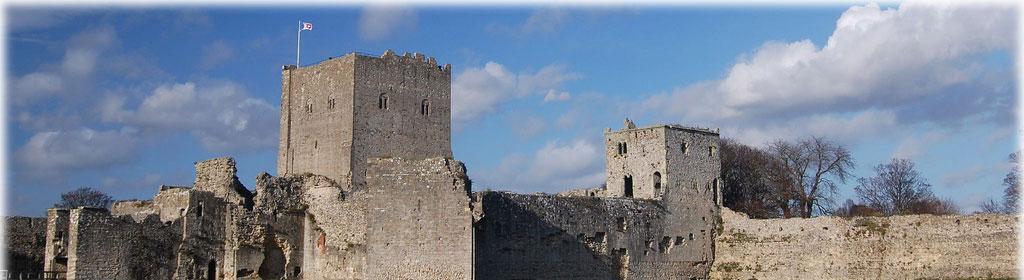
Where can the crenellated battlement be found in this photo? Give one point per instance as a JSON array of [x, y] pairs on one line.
[[417, 58]]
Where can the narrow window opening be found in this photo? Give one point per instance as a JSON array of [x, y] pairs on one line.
[[211, 270], [711, 151], [714, 191], [425, 107], [691, 236], [625, 150], [199, 209], [296, 271], [657, 183], [621, 222], [686, 147], [382, 101], [628, 186]]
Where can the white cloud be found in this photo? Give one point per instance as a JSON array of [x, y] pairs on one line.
[[85, 48], [215, 53], [553, 168], [526, 126], [27, 19], [377, 22], [36, 85], [556, 96], [847, 129], [548, 78], [220, 114], [543, 20], [963, 177], [476, 91], [546, 20], [913, 147], [892, 62], [78, 64], [50, 155], [568, 119], [144, 182]]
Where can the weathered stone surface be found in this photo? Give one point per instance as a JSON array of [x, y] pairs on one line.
[[369, 190], [898, 247], [25, 243], [337, 114], [521, 236]]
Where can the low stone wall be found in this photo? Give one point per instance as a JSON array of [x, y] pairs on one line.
[[24, 244], [898, 247], [521, 236]]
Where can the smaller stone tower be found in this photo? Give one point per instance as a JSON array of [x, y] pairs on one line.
[[644, 162]]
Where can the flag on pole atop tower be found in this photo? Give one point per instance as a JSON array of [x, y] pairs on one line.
[[307, 26]]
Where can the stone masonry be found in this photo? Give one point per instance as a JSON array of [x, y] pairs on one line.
[[982, 246], [368, 189], [25, 243], [337, 114]]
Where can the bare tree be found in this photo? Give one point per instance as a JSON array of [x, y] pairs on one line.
[[936, 206], [991, 206], [810, 170], [1011, 195], [747, 185], [895, 187], [851, 209], [84, 196]]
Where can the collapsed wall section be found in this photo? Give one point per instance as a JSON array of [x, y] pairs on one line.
[[898, 247], [419, 220], [522, 236]]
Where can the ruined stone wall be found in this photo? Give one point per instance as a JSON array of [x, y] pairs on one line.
[[898, 247], [25, 243], [56, 252], [101, 246], [419, 218], [316, 119], [416, 121], [217, 176], [522, 236]]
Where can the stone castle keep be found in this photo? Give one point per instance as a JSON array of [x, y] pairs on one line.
[[367, 188]]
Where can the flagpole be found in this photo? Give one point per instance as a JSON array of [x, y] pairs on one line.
[[298, 45]]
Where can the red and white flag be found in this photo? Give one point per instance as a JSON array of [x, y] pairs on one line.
[[307, 26]]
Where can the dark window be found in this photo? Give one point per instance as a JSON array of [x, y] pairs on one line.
[[199, 209], [628, 186], [711, 151], [657, 183], [211, 270], [686, 148], [382, 101], [425, 107]]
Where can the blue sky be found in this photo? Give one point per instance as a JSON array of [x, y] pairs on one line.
[[125, 100]]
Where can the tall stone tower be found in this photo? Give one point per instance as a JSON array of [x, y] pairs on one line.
[[337, 114], [644, 162]]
